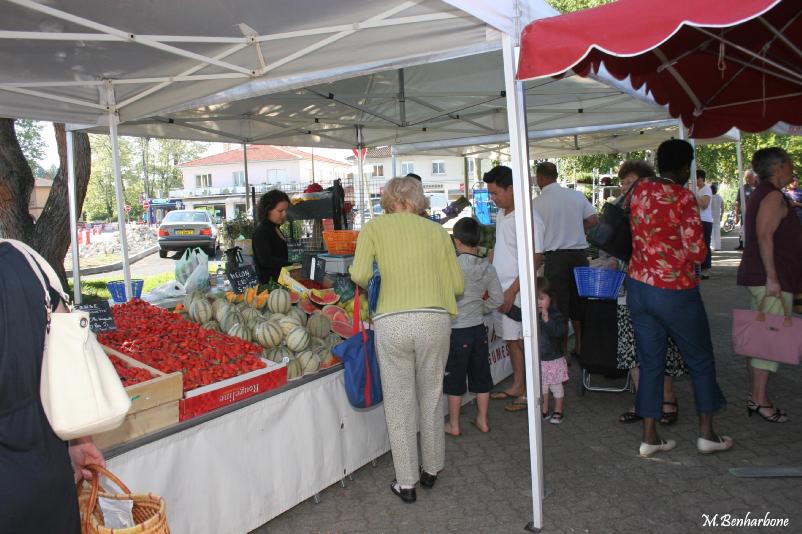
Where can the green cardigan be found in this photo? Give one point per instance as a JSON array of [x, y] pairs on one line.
[[417, 262]]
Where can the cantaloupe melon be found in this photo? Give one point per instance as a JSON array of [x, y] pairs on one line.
[[298, 339]]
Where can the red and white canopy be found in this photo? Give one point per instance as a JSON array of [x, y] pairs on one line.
[[718, 64]]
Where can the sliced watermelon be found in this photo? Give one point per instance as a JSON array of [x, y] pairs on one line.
[[342, 329], [331, 310], [323, 297], [294, 297], [307, 306]]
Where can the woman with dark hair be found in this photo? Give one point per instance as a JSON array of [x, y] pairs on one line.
[[771, 266], [664, 299], [269, 244]]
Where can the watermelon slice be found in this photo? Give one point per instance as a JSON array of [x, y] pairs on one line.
[[344, 330], [332, 311], [306, 306], [294, 297], [323, 297]]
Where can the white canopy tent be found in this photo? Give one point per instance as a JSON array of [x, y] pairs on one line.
[[143, 66]]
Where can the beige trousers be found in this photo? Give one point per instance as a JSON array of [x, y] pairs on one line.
[[412, 349]]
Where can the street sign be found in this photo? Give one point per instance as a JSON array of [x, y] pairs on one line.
[[145, 204]]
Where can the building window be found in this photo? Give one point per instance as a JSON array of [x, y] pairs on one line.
[[438, 167], [377, 170], [239, 178], [276, 176], [407, 167], [203, 180]]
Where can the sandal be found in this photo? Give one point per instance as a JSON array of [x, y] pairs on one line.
[[629, 417], [518, 405], [669, 418], [502, 395], [777, 416]]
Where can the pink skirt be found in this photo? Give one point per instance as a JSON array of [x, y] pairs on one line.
[[553, 371]]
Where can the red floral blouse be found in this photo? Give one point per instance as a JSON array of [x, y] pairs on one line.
[[667, 236]]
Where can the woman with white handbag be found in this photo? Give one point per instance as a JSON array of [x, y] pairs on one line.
[[38, 470]]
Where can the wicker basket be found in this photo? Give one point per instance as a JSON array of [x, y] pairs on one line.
[[150, 513]]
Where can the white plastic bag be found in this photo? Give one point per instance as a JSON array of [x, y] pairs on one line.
[[199, 279], [186, 264], [168, 290]]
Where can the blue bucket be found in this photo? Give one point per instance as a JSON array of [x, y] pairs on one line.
[[117, 289], [596, 283]]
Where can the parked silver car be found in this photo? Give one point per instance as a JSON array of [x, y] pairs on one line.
[[187, 228]]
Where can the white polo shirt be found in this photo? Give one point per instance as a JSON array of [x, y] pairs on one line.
[[706, 214], [505, 251], [562, 212]]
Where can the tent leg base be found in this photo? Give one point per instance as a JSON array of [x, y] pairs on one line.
[[342, 482], [316, 498], [530, 527], [374, 463]]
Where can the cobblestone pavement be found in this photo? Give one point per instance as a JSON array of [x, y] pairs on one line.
[[594, 479]]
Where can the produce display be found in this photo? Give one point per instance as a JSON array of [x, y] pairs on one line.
[[167, 342]]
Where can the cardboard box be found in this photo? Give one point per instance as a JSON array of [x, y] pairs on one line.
[[207, 398], [286, 279]]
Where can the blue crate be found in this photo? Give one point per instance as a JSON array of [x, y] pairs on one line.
[[117, 289], [596, 283]]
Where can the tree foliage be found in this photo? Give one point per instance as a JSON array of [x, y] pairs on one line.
[[29, 136], [566, 6]]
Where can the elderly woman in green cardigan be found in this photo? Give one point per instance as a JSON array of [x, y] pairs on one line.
[[420, 280]]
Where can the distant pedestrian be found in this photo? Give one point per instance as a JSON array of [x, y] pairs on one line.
[[746, 190], [566, 215], [551, 327], [704, 197], [468, 354], [794, 194], [717, 206]]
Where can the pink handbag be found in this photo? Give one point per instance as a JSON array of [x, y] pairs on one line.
[[768, 337]]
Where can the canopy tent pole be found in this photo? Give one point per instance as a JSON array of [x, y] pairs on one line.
[[360, 162], [247, 188], [118, 184], [516, 119], [76, 266], [393, 161], [739, 155]]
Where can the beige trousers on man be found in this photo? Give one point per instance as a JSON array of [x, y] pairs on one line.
[[412, 348]]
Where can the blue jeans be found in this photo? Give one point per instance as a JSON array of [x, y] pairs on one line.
[[707, 228], [656, 314]]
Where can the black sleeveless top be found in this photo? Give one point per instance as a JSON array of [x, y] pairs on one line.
[[37, 491], [787, 246]]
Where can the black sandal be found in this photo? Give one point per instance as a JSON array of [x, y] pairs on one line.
[[777, 416], [669, 418], [629, 417]]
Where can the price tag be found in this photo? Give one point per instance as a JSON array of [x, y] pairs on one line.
[[100, 318], [242, 277]]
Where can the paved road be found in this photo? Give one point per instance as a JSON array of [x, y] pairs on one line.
[[145, 267], [594, 479]]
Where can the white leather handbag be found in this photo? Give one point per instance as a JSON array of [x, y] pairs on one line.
[[80, 390]]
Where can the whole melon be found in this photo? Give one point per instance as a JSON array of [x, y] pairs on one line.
[[233, 317], [323, 354], [250, 316], [279, 301], [298, 314], [200, 310], [294, 369], [240, 331], [316, 343], [211, 325], [268, 334], [288, 323], [332, 339], [276, 317], [318, 325], [298, 339], [223, 309], [218, 303], [192, 296], [309, 362], [277, 354]]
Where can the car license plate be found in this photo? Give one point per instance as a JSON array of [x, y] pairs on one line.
[[184, 232]]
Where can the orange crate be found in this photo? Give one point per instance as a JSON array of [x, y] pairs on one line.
[[340, 241]]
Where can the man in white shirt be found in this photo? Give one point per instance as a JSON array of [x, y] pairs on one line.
[[566, 214], [504, 257], [704, 195]]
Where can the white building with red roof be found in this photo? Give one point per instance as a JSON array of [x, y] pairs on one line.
[[217, 182]]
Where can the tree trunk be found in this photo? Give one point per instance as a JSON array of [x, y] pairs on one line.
[[50, 236]]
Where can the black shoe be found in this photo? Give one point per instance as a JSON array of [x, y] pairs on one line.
[[406, 494], [427, 480], [739, 247]]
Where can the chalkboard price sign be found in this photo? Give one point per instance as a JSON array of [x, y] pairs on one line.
[[242, 277], [100, 318]]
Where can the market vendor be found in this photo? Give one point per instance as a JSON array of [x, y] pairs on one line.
[[269, 244]]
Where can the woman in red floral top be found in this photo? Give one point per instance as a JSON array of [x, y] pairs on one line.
[[664, 299]]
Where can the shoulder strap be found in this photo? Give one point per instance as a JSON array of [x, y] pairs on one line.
[[38, 265]]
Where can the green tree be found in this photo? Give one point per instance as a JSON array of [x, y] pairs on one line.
[[29, 135], [101, 200], [566, 6], [163, 157]]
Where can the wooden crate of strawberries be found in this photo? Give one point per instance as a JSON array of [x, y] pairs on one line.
[[154, 397]]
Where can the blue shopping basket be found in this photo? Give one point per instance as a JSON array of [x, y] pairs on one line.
[[597, 283], [117, 289]]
